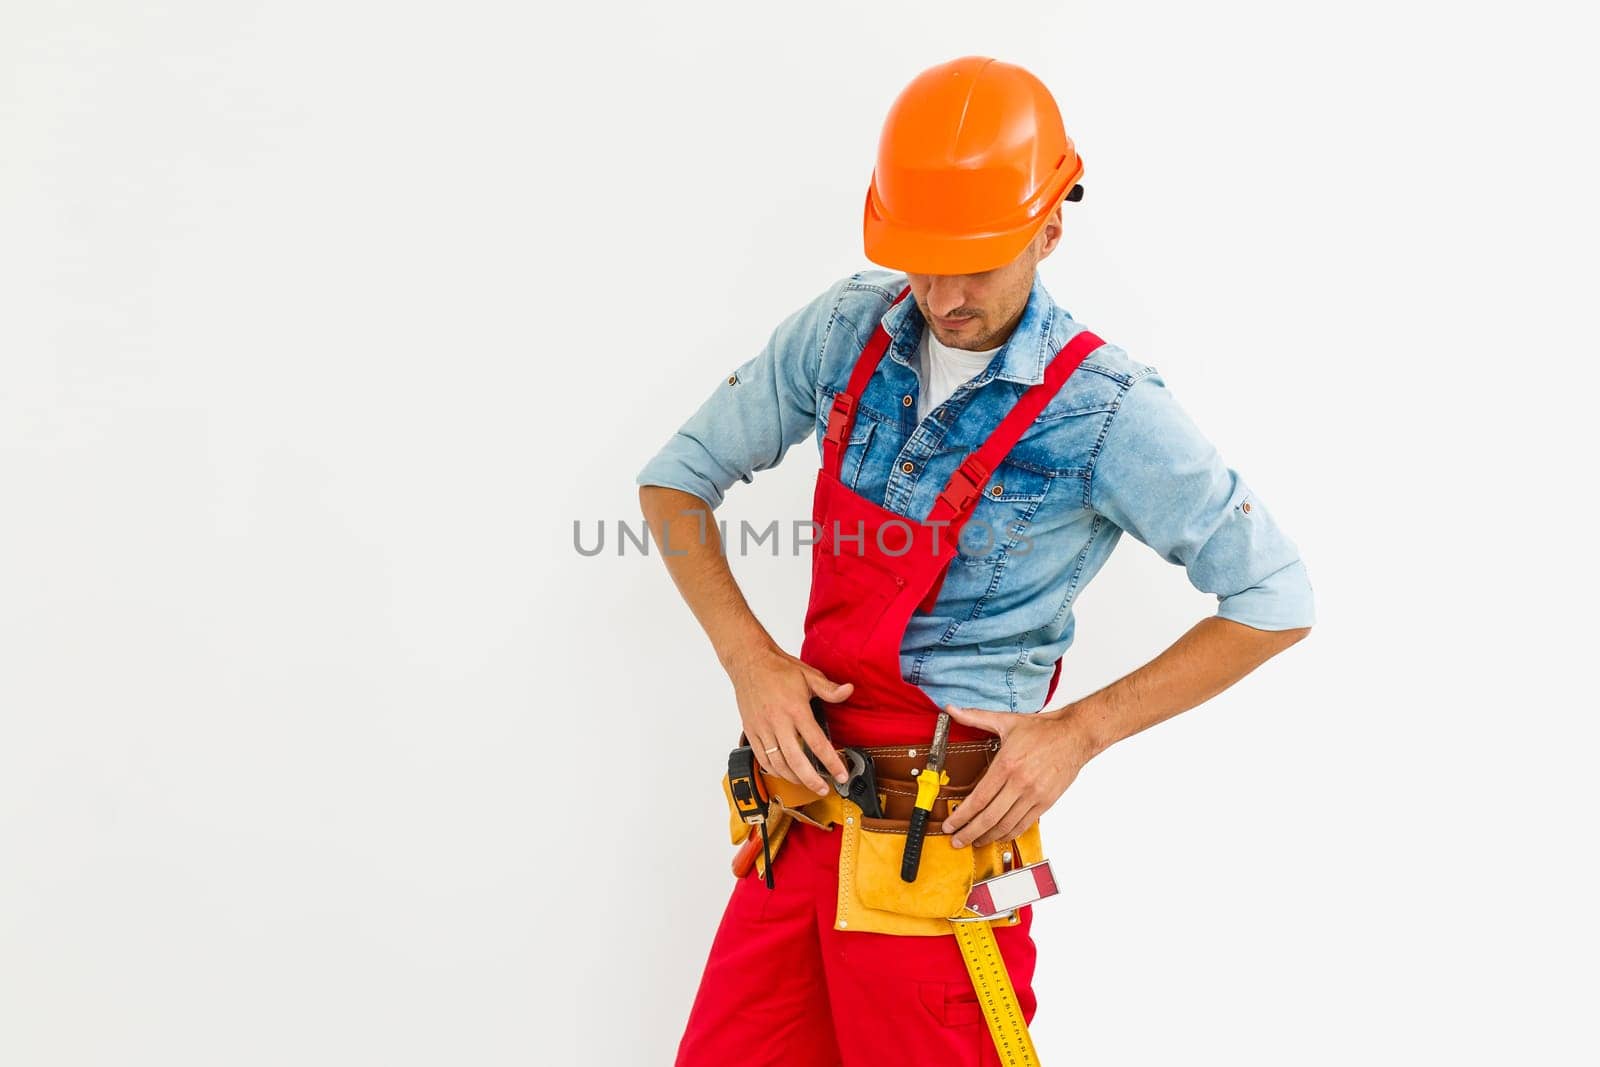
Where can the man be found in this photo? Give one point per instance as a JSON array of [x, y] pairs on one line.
[[981, 455]]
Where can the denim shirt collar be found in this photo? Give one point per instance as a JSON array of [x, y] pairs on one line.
[[1024, 355]]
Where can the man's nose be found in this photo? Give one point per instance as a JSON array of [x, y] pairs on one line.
[[944, 294]]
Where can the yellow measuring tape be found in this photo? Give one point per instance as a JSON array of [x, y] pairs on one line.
[[995, 993]]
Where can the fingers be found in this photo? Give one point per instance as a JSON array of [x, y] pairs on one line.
[[984, 820], [1005, 815], [778, 761], [1011, 824], [987, 789], [996, 722], [774, 757], [1024, 824], [763, 756], [800, 768], [826, 687], [822, 748], [788, 758]]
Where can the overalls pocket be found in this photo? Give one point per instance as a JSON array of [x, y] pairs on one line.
[[850, 589]]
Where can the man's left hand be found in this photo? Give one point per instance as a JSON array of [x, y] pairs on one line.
[[1039, 756]]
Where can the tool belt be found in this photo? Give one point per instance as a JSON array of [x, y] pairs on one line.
[[873, 895], [873, 898]]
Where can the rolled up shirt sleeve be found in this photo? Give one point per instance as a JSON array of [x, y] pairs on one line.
[[1159, 479], [753, 415]]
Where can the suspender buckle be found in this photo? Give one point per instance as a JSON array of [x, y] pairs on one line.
[[844, 409], [965, 485]]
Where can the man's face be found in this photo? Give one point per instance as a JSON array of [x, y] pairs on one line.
[[979, 311]]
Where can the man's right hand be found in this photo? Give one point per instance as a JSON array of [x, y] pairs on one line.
[[774, 691]]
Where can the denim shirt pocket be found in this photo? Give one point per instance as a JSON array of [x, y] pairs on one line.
[[861, 432], [1003, 513], [855, 450]]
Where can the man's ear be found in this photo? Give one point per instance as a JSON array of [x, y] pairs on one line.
[[1050, 232]]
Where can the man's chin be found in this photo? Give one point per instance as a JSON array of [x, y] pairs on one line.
[[969, 340]]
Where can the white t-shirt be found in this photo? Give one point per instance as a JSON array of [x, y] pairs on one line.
[[942, 369]]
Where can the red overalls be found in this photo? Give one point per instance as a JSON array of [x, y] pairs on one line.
[[782, 986]]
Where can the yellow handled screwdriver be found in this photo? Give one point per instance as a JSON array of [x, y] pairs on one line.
[[928, 782]]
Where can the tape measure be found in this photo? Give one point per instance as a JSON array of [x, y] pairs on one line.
[[996, 995]]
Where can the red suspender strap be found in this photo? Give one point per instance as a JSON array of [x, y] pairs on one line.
[[960, 494], [843, 415], [965, 487]]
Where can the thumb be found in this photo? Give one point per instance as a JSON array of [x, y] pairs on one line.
[[996, 722], [827, 688]]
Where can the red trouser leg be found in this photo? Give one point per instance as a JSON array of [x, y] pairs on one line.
[[761, 1001], [783, 986]]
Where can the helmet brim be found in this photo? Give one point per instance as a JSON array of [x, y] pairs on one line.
[[918, 250], [921, 252]]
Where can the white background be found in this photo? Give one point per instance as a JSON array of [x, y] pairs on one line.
[[320, 323]]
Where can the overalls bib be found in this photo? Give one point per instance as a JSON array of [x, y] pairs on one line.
[[785, 983], [871, 568]]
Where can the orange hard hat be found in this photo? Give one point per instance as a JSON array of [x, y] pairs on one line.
[[972, 158]]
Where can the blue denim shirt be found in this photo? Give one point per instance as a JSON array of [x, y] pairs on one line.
[[1112, 452]]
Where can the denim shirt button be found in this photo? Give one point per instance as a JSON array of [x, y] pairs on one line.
[[905, 401], [907, 467]]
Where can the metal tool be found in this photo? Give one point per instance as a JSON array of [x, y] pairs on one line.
[[855, 762], [862, 784], [928, 782], [862, 788]]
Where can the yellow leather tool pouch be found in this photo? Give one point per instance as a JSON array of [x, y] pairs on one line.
[[874, 899]]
